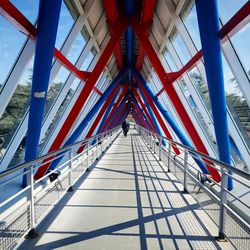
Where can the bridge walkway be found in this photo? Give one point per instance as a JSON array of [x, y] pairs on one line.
[[127, 201]]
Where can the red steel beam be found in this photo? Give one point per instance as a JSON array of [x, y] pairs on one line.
[[159, 118], [98, 118], [237, 22], [124, 90], [86, 91], [111, 14], [148, 9], [167, 84], [14, 16], [138, 98]]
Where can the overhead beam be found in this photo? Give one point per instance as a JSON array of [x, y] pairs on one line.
[[86, 91], [14, 16]]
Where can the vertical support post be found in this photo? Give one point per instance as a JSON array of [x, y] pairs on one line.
[[87, 168], [160, 145], [223, 202], [185, 189], [32, 233], [45, 44], [169, 155], [154, 142], [208, 20], [70, 189]]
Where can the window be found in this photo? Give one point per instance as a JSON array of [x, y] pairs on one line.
[[169, 60], [60, 112], [179, 46], [16, 109], [189, 18], [89, 59], [29, 8], [78, 46], [228, 8], [236, 103], [66, 22], [9, 48], [55, 87], [241, 45]]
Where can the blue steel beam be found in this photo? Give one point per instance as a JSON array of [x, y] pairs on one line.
[[143, 114], [48, 18], [152, 116], [169, 119], [89, 116], [208, 20], [106, 114]]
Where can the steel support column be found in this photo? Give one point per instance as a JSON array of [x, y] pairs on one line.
[[208, 21], [44, 50], [87, 89]]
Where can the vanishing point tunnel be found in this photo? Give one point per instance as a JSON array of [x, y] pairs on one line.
[[124, 124]]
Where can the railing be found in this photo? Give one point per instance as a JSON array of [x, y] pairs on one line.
[[229, 210], [22, 210]]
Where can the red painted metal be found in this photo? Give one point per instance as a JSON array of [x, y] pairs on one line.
[[237, 22], [14, 16], [87, 89], [124, 90], [167, 84], [148, 9], [159, 118], [98, 118], [111, 14], [137, 96]]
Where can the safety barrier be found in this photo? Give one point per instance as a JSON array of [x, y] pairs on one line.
[[24, 209], [229, 210]]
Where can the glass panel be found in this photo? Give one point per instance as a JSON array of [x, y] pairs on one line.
[[169, 60], [228, 8], [241, 43], [66, 22], [29, 8], [236, 103], [16, 109], [78, 46], [196, 111], [88, 59], [60, 112], [201, 86], [189, 18], [9, 47], [55, 87], [180, 46]]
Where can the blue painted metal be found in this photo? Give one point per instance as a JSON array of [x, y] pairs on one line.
[[48, 18], [208, 19], [159, 131], [88, 117], [106, 113], [143, 114], [120, 106], [129, 7], [169, 119]]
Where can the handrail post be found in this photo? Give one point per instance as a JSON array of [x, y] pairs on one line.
[[32, 233], [154, 143], [87, 169], [70, 189], [160, 145], [169, 155], [185, 189], [223, 202]]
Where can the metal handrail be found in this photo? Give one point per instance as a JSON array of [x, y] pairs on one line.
[[207, 157], [235, 209], [53, 153], [27, 206]]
